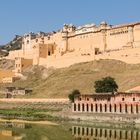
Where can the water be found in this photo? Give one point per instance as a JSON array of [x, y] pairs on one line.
[[22, 131]]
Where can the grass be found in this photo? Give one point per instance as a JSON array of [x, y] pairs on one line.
[[29, 114], [59, 82]]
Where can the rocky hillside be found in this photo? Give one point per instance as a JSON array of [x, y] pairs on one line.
[[57, 83], [7, 64], [15, 44]]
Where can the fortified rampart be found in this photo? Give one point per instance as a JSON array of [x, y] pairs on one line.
[[72, 44]]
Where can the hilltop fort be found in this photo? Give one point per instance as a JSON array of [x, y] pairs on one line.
[[72, 44]]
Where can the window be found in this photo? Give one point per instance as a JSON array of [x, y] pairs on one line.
[[105, 108], [78, 107], [83, 107], [96, 107], [87, 99], [27, 41], [87, 108], [110, 108], [137, 109], [49, 53], [120, 108], [91, 107], [131, 108], [115, 107], [133, 99], [100, 107], [74, 107], [122, 99], [126, 108]]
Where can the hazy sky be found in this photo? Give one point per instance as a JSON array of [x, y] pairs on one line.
[[21, 16]]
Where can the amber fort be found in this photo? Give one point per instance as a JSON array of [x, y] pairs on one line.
[[71, 44]]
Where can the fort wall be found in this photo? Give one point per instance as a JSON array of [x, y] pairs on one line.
[[53, 49]]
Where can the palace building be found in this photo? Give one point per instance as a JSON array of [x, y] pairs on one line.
[[118, 103], [73, 44]]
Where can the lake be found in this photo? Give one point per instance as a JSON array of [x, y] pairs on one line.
[[68, 131]]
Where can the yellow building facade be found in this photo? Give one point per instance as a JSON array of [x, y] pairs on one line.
[[77, 42]]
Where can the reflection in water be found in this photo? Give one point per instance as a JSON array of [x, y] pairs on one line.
[[96, 133], [8, 131], [21, 131]]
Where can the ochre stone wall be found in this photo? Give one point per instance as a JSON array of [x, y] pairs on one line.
[[22, 63], [86, 40]]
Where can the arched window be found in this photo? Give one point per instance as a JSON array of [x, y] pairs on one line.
[[78, 107], [91, 107], [126, 108], [74, 107], [87, 108], [96, 109], [105, 108], [83, 107], [120, 108], [137, 109], [131, 108], [115, 108], [110, 108], [100, 107]]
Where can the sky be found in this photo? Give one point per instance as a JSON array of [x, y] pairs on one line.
[[18, 17]]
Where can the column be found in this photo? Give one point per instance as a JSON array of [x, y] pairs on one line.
[[98, 108], [129, 108], [123, 109]]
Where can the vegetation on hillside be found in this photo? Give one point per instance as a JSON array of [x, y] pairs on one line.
[[105, 85], [72, 95], [57, 83]]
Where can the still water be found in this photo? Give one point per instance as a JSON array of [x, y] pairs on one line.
[[22, 131]]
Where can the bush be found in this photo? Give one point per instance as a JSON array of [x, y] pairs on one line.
[[74, 93]]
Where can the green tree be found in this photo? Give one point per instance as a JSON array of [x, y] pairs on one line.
[[107, 84], [74, 93]]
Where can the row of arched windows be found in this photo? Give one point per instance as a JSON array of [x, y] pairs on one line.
[[104, 133], [110, 108]]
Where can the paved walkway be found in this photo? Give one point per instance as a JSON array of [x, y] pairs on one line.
[[34, 100]]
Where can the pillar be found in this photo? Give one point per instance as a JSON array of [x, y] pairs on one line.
[[98, 108], [123, 109], [129, 108]]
